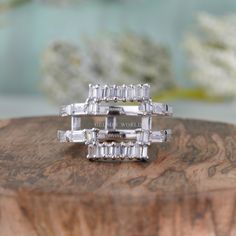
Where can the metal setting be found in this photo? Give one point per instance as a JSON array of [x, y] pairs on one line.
[[92, 136], [94, 108], [113, 143]]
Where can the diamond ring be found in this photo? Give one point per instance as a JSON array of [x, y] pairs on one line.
[[112, 130]]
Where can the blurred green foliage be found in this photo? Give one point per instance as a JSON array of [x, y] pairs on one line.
[[197, 94], [9, 4]]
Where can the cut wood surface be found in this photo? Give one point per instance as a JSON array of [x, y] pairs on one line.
[[49, 188]]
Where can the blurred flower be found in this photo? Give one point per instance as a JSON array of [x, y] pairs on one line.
[[61, 2], [9, 4], [67, 69], [212, 54], [70, 2]]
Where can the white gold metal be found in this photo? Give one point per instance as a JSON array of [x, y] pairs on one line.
[[92, 108], [95, 135]]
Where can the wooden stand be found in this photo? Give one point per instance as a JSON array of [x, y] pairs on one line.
[[48, 188]]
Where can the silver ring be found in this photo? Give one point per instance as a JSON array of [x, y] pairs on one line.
[[112, 142]]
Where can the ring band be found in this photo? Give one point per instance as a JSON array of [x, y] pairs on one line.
[[84, 109], [138, 93], [92, 136]]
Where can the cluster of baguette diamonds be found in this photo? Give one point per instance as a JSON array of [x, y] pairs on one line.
[[112, 143], [140, 92], [116, 151]]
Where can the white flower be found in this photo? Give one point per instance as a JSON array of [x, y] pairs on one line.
[[212, 54], [67, 70]]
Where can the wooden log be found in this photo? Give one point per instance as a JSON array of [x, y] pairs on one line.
[[48, 188]]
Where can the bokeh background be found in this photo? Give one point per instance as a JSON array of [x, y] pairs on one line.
[[46, 44]]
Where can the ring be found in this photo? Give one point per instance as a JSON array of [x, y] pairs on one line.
[[108, 129]]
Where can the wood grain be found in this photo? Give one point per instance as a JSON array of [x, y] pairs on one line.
[[49, 188]]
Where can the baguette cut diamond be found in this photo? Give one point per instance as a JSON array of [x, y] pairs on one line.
[[143, 137], [92, 108], [146, 91], [137, 92], [96, 92]]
